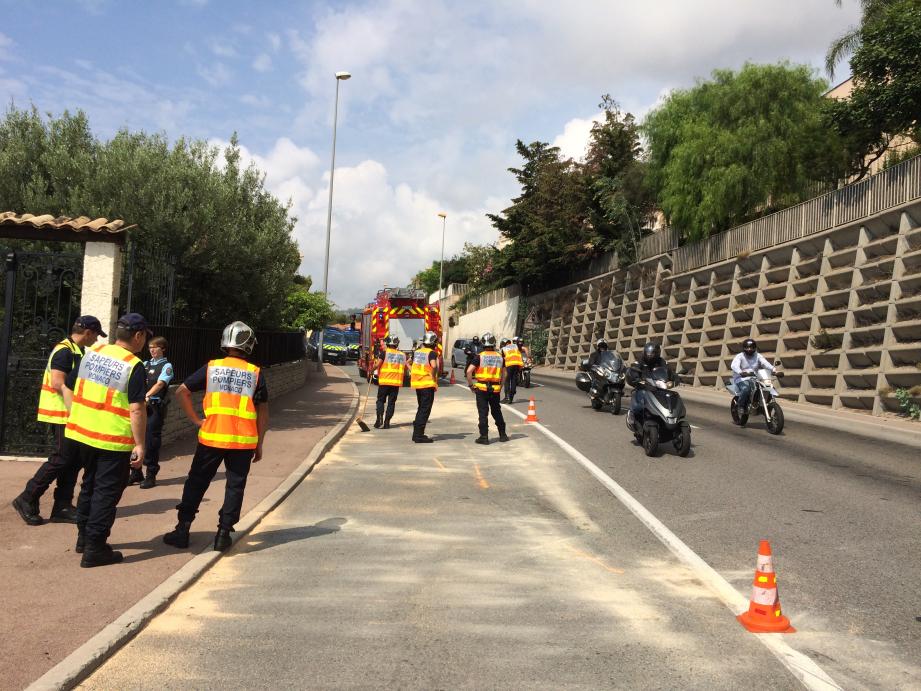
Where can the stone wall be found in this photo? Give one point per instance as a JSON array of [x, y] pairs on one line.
[[280, 379]]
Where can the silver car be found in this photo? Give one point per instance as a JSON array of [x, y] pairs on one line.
[[458, 356]]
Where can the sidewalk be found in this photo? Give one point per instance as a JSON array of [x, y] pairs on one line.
[[53, 606], [884, 428]]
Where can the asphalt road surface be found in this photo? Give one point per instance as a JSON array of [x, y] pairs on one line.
[[842, 512]]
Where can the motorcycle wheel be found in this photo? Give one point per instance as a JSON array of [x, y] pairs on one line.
[[615, 406], [650, 438], [775, 424], [734, 409], [682, 440], [526, 380], [596, 404]]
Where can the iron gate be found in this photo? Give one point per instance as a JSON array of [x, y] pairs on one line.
[[41, 301]]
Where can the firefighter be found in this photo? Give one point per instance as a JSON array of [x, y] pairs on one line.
[[488, 369], [64, 357], [513, 364], [391, 367], [236, 417], [424, 380], [159, 375], [105, 432]]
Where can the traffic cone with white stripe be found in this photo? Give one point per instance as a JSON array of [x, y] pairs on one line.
[[453, 380], [763, 615], [532, 412]]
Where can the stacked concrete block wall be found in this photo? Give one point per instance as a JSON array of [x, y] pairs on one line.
[[280, 379], [831, 287]]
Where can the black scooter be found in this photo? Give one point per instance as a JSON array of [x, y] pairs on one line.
[[663, 417], [603, 381]]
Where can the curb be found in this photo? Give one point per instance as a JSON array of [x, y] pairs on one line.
[[88, 657]]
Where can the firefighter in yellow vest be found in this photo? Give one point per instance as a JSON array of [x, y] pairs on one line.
[[513, 364], [236, 417], [485, 376], [391, 368], [65, 356], [105, 432], [424, 380]]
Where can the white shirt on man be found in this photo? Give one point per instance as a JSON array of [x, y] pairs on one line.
[[743, 362]]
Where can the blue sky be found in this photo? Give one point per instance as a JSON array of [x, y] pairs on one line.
[[440, 91]]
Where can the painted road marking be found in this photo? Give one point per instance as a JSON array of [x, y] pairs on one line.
[[801, 666], [438, 463], [597, 560], [479, 476]]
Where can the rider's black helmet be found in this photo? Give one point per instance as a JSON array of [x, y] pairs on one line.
[[601, 344], [651, 353], [749, 346]]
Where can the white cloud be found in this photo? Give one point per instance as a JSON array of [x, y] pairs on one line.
[[574, 138], [274, 40], [5, 42], [256, 101], [216, 74], [221, 48], [262, 63]]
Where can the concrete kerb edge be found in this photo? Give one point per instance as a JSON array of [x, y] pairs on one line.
[[91, 655]]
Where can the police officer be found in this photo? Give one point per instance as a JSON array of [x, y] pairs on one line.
[[51, 409], [391, 367], [424, 380], [488, 368], [236, 417], [513, 364], [159, 375], [105, 432]]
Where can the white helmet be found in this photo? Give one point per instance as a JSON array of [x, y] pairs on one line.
[[488, 340], [392, 341], [430, 339], [238, 335]]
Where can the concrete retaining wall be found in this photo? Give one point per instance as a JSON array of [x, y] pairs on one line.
[[280, 379], [500, 318]]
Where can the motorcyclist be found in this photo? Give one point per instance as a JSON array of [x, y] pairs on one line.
[[746, 363], [525, 352], [638, 371], [601, 347], [471, 350]]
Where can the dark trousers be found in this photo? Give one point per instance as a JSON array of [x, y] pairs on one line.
[[511, 381], [488, 402], [64, 469], [425, 398], [205, 462], [156, 412], [388, 395], [105, 476]]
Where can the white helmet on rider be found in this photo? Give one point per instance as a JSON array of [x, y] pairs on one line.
[[239, 336], [430, 339], [488, 340]]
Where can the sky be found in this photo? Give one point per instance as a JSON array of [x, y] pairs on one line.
[[439, 93]]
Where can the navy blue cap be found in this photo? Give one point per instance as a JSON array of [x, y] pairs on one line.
[[88, 321], [134, 322]]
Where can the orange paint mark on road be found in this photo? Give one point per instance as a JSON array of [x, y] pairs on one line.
[[596, 560], [479, 476], [438, 463]]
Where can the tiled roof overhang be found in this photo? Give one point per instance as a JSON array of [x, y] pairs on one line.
[[63, 228]]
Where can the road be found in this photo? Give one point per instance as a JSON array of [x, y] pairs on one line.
[[456, 566]]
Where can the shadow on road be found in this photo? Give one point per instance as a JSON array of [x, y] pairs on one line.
[[273, 538]]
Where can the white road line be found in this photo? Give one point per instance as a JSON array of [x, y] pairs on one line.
[[801, 666]]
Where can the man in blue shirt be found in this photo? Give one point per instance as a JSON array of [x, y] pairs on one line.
[[159, 375]]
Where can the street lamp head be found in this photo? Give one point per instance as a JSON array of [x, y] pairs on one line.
[[343, 75], [442, 214]]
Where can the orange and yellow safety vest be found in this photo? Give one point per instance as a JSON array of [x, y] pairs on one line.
[[230, 413], [421, 376], [100, 413], [512, 356], [489, 373], [51, 406], [393, 368]]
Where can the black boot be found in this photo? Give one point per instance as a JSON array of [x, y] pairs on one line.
[[136, 477], [387, 423], [99, 553], [222, 540], [27, 510], [378, 422], [482, 439], [149, 481], [179, 536], [81, 540], [506, 400], [63, 512], [502, 435]]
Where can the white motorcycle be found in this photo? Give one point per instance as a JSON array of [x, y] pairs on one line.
[[763, 400]]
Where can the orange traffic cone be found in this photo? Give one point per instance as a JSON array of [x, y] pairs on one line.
[[763, 615], [532, 412], [453, 380]]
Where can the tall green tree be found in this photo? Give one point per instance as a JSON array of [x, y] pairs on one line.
[[740, 145], [870, 12]]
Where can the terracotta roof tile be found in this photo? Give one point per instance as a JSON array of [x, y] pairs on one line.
[[77, 225]]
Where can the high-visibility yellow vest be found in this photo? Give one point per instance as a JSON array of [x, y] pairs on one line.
[[512, 356], [393, 367], [51, 406], [421, 376], [99, 413], [230, 412], [489, 373]]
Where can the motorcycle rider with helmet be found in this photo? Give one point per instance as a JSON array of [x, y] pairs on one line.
[[601, 346], [638, 371], [747, 362]]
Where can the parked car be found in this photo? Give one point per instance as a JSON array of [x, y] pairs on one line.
[[352, 337], [458, 356], [335, 347]]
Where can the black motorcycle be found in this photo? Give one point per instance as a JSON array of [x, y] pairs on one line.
[[663, 417], [763, 400], [526, 373], [603, 381]]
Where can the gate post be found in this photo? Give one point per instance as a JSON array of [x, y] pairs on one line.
[[6, 332], [102, 268]]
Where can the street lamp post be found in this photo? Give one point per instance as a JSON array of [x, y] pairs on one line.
[[441, 274], [340, 77]]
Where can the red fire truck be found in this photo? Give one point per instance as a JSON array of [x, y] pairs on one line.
[[401, 312]]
